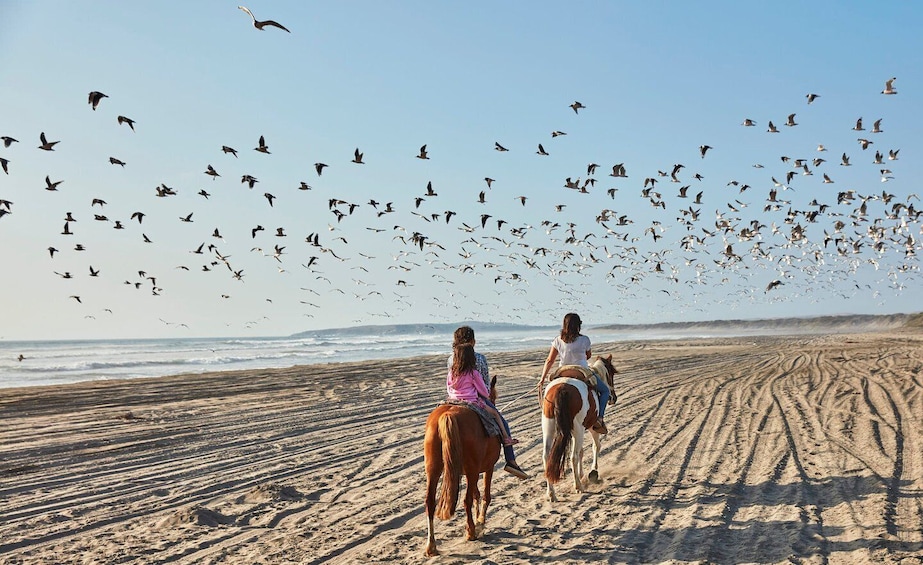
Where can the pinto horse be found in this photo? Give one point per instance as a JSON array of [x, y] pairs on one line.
[[568, 410], [456, 443]]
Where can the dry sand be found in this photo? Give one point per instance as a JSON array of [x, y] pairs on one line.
[[801, 449]]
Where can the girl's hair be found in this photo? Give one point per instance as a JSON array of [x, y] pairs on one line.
[[570, 329], [463, 359]]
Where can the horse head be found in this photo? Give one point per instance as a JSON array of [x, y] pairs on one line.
[[610, 371]]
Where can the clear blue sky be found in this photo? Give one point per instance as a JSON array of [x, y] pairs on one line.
[[657, 79]]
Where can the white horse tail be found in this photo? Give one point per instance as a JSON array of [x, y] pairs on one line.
[[452, 463], [564, 421]]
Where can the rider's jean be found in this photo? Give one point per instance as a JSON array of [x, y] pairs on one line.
[[507, 449], [603, 390]]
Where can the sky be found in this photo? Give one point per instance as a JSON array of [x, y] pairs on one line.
[[768, 237]]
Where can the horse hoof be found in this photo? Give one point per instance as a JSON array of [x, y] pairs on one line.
[[593, 476], [431, 551]]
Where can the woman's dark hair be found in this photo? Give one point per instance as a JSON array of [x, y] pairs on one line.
[[570, 329], [463, 351]]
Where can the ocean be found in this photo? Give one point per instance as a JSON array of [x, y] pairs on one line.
[[61, 362]]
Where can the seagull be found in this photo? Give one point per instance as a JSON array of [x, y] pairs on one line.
[[812, 97], [748, 122], [703, 149], [210, 171], [115, 161], [858, 126], [889, 86], [557, 133], [541, 150], [499, 147], [791, 120], [319, 167], [230, 150], [876, 127], [577, 106], [129, 121], [269, 197], [4, 164], [262, 148], [423, 154], [7, 140], [261, 24], [772, 128], [95, 98], [46, 145], [357, 157], [51, 185]]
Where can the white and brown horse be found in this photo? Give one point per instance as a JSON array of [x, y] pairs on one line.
[[569, 409], [456, 443]]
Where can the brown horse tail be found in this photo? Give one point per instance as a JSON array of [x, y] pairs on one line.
[[452, 462], [554, 471]]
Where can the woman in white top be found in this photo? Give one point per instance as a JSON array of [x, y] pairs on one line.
[[573, 348]]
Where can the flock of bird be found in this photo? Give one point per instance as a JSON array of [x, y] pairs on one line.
[[756, 243]]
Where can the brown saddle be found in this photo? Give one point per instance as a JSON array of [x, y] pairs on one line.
[[579, 372]]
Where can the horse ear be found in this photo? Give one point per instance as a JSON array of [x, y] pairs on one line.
[[493, 381]]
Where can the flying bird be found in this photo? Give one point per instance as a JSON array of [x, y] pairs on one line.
[[4, 164], [230, 150], [577, 106], [499, 147], [357, 157], [541, 150], [115, 161], [261, 24], [423, 154], [889, 86], [210, 171], [262, 147], [703, 149], [319, 167], [46, 145], [7, 140], [51, 185], [129, 121], [95, 98], [812, 97]]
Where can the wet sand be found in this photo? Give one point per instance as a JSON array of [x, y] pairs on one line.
[[804, 449]]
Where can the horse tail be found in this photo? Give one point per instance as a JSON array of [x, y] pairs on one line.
[[452, 462], [554, 470]]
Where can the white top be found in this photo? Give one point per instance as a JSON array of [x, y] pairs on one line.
[[573, 353]]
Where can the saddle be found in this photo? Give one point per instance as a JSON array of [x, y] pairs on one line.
[[490, 425], [579, 372]]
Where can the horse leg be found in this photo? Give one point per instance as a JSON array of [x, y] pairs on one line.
[[485, 502], [549, 429], [576, 457], [593, 477], [433, 472], [470, 530]]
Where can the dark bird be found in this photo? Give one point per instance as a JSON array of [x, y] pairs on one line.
[[7, 140], [304, 186], [541, 150], [484, 218], [773, 285], [429, 189], [557, 133], [138, 215], [703, 149], [52, 251], [812, 97], [99, 201], [210, 171], [261, 24], [489, 181], [93, 272], [262, 147], [51, 185], [499, 147], [95, 98], [46, 145], [772, 128], [115, 161], [5, 165], [129, 121], [255, 230], [423, 154], [357, 157], [187, 218], [204, 193], [319, 167], [269, 197], [790, 122], [249, 180], [230, 150], [577, 106]]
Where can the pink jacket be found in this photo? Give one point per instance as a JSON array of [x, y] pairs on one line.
[[468, 386]]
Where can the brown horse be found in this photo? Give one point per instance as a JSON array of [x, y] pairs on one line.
[[568, 410], [456, 443]]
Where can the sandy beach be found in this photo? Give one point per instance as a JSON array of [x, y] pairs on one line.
[[804, 449]]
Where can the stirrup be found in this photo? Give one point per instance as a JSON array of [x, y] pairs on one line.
[[600, 427]]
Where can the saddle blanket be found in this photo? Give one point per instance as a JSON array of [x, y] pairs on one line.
[[490, 425]]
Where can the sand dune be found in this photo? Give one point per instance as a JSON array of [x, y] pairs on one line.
[[803, 449]]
